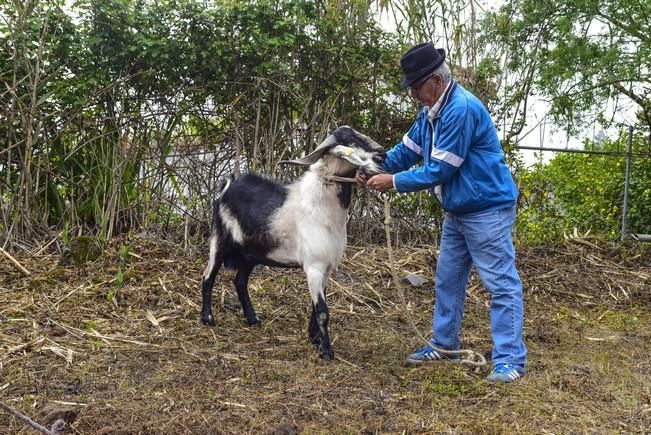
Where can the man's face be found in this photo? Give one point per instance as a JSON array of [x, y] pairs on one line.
[[428, 90]]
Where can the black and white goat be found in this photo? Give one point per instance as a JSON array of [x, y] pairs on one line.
[[257, 220]]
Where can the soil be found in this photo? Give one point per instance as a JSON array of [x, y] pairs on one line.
[[116, 347]]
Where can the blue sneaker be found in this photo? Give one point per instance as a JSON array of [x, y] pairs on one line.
[[505, 373], [427, 354]]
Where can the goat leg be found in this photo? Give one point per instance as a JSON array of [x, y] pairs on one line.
[[206, 303], [316, 278], [313, 328], [322, 317], [214, 263], [241, 284]]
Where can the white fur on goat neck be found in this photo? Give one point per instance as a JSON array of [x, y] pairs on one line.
[[311, 223]]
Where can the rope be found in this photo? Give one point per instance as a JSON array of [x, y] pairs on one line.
[[468, 357], [338, 179]]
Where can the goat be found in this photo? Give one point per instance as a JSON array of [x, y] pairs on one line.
[[257, 220]]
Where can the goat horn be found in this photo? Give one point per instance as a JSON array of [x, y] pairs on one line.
[[315, 155]]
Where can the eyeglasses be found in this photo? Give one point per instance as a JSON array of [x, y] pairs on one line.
[[416, 87]]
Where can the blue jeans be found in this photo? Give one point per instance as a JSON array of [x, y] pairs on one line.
[[483, 239]]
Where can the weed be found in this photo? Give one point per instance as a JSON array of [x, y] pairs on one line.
[[124, 254], [91, 325]]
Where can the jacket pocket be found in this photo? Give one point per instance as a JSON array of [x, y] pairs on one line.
[[461, 194]]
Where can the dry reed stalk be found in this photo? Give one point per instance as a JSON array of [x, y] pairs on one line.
[[20, 347], [107, 338], [15, 262]]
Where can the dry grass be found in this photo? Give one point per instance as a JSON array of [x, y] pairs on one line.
[[145, 364]]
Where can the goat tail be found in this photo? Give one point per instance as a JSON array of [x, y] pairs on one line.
[[223, 184]]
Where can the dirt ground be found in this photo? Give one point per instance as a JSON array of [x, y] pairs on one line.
[[131, 358]]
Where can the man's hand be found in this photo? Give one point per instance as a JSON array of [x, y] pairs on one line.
[[380, 182]]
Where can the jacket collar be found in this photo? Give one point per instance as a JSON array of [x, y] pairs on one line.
[[435, 111]]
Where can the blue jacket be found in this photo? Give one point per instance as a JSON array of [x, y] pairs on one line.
[[462, 159]]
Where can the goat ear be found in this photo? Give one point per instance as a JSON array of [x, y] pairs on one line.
[[348, 154], [315, 155]]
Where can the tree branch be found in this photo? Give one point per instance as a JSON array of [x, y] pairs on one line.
[[644, 103], [630, 94], [621, 25]]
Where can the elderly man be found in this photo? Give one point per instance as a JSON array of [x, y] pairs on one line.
[[463, 167]]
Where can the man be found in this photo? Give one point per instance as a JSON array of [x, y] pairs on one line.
[[463, 167]]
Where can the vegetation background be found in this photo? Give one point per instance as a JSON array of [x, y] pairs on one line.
[[120, 115], [117, 118]]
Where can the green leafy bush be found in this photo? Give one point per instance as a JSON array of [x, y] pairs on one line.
[[585, 192]]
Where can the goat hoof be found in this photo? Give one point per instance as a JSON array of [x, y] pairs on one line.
[[208, 320], [253, 322], [327, 354]]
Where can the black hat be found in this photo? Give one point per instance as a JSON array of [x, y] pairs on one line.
[[419, 61]]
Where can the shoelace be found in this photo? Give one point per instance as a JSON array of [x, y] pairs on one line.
[[503, 368]]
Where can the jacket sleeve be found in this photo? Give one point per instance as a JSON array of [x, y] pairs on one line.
[[408, 151], [451, 148]]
